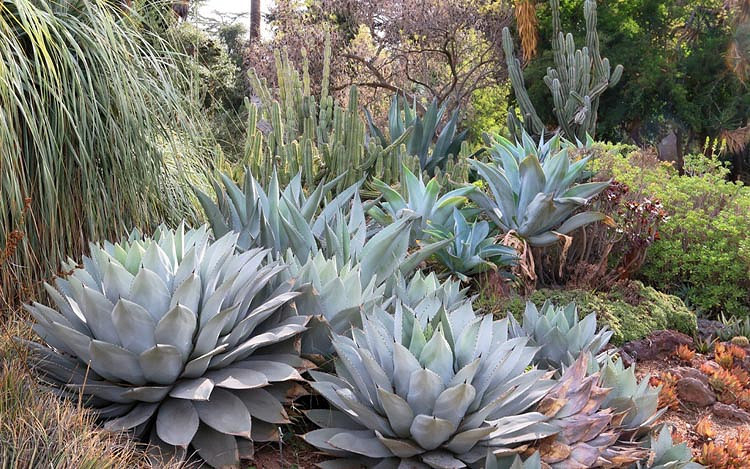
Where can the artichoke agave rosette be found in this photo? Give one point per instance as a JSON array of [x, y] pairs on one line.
[[428, 388], [178, 336], [560, 334]]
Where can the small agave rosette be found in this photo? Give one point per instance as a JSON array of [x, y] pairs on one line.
[[178, 337], [561, 335], [432, 390]]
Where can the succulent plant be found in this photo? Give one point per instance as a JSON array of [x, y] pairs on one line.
[[279, 219], [335, 294], [667, 455], [471, 250], [637, 402], [559, 333], [536, 200], [513, 462], [177, 337], [500, 148], [588, 433], [436, 390], [419, 142], [416, 197]]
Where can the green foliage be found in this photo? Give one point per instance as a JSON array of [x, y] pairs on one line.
[[677, 75], [631, 311], [488, 112], [296, 131], [703, 251], [93, 118], [576, 82], [416, 197], [161, 332], [215, 82]]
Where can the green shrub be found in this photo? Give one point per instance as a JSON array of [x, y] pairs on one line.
[[630, 309], [703, 250]]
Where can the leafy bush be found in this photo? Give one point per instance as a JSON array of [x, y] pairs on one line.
[[703, 250], [630, 309]]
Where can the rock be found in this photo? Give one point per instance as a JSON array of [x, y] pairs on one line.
[[688, 372], [693, 391], [656, 344], [708, 329], [669, 148], [733, 412]]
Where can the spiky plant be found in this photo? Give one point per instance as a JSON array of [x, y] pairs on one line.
[[280, 218], [471, 250], [419, 198], [513, 462], [667, 455], [537, 200], [559, 333], [588, 433], [636, 402], [423, 130], [92, 108], [500, 148], [175, 337], [335, 294], [428, 390]]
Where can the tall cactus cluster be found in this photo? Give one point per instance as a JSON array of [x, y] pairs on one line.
[[579, 78], [292, 131]]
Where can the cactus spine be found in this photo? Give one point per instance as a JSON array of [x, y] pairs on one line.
[[576, 82]]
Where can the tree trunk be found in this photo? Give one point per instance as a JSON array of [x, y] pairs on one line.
[[254, 20]]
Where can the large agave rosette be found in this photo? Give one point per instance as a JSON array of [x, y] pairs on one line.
[[431, 387], [175, 337]]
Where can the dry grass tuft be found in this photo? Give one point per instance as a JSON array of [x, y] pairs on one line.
[[39, 430]]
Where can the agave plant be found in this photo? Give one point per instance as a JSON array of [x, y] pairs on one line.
[[588, 433], [416, 197], [501, 149], [536, 200], [513, 462], [638, 403], [280, 219], [667, 455], [471, 250], [559, 333], [175, 337], [335, 294], [419, 143], [419, 390]]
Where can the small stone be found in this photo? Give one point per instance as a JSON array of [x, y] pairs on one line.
[[693, 391], [688, 372], [733, 412]]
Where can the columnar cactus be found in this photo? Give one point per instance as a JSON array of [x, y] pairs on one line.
[[576, 83], [294, 132]]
